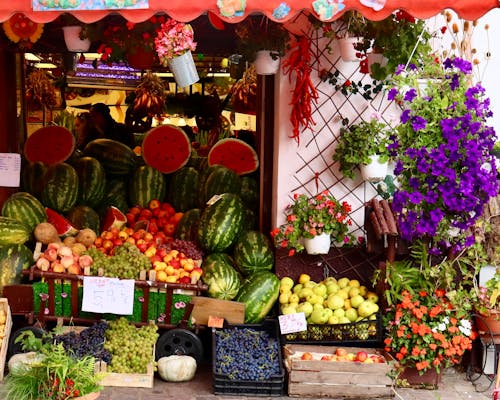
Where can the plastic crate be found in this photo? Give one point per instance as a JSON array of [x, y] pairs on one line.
[[274, 386], [364, 333]]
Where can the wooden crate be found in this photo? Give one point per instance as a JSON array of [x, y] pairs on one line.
[[4, 305], [127, 380], [335, 379]]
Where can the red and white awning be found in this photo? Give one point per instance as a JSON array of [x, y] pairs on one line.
[[278, 10]]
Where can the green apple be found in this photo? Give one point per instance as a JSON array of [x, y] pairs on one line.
[[354, 283], [285, 289], [294, 298], [297, 288], [329, 311], [344, 320], [284, 298], [288, 309], [357, 300], [309, 284], [305, 292], [287, 281], [320, 290], [334, 301], [333, 320], [332, 287], [354, 291], [306, 308], [318, 306], [329, 279], [363, 290], [339, 312], [314, 299], [319, 316], [351, 314], [367, 308], [343, 282], [344, 293], [373, 297]]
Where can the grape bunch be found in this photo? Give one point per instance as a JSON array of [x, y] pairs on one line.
[[126, 262], [89, 342], [189, 248], [246, 354], [131, 348]]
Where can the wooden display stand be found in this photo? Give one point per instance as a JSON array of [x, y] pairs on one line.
[[5, 329]]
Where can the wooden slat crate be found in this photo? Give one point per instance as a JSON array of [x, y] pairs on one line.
[[335, 379], [5, 329]]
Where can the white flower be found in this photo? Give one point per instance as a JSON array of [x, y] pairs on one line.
[[465, 327]]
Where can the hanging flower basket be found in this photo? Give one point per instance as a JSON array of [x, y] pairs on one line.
[[184, 69], [266, 64], [347, 50], [375, 171], [73, 41]]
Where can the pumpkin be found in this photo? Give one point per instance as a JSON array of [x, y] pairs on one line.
[[24, 360], [177, 368]]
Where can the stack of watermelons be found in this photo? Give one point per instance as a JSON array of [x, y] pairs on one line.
[[218, 196]]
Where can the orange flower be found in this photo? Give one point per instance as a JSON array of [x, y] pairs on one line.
[[435, 311], [415, 351], [422, 365]]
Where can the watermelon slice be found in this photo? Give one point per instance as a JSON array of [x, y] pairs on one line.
[[166, 148], [234, 154], [50, 145], [114, 219], [63, 226]]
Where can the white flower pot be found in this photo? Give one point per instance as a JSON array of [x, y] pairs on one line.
[[265, 64], [375, 171], [374, 58], [73, 41], [319, 244], [347, 50], [184, 69]]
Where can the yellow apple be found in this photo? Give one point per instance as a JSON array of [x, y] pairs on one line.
[[303, 278], [284, 298], [334, 301], [343, 282], [287, 281], [354, 283]]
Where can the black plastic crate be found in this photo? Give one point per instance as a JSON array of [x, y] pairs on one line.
[[273, 386], [364, 333]]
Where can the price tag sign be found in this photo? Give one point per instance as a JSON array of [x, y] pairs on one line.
[[108, 295], [215, 322], [10, 169], [291, 323]]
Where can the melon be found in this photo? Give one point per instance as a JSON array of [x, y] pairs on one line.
[[63, 225], [49, 145], [166, 148], [234, 154], [114, 219]]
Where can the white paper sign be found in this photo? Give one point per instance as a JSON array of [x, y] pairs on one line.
[[108, 295], [291, 323], [10, 169]]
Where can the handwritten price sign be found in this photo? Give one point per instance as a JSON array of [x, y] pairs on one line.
[[108, 295], [291, 323]]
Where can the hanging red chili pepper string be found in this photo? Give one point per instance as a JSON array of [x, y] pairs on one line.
[[304, 93]]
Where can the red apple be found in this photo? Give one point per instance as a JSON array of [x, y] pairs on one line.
[[306, 356], [361, 356], [341, 352], [327, 357]]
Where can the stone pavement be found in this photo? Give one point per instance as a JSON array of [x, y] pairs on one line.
[[454, 386]]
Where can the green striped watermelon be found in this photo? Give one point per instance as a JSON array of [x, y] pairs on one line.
[[26, 208], [204, 174], [259, 293], [61, 187], [115, 194], [146, 184], [183, 189], [187, 228], [91, 180], [219, 275], [116, 158], [32, 177], [234, 154], [83, 216], [253, 252], [221, 180], [13, 259], [249, 192], [13, 231], [220, 223]]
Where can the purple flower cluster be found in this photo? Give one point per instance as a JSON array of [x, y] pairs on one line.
[[445, 168]]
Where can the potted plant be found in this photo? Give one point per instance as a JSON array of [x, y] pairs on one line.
[[57, 374], [364, 144], [351, 35], [174, 44], [444, 166], [397, 39], [310, 217], [262, 41]]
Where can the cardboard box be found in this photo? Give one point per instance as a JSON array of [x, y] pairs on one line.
[[5, 330], [145, 380], [336, 379]]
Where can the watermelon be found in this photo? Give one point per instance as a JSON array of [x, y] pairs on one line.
[[113, 219], [234, 154], [253, 252], [115, 194], [197, 162], [13, 231], [166, 148], [32, 178], [50, 145], [250, 220], [259, 293], [220, 223], [204, 174], [26, 208], [60, 191], [13, 259], [91, 180], [82, 216], [63, 226], [221, 180], [188, 225], [116, 158], [183, 189], [249, 192], [147, 184], [219, 275]]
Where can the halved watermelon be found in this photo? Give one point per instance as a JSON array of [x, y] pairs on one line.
[[166, 148], [234, 154], [114, 218], [50, 145], [63, 225]]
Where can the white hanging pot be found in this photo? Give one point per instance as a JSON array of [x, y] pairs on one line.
[[184, 69], [347, 50], [319, 244], [265, 64], [375, 171], [73, 41]]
